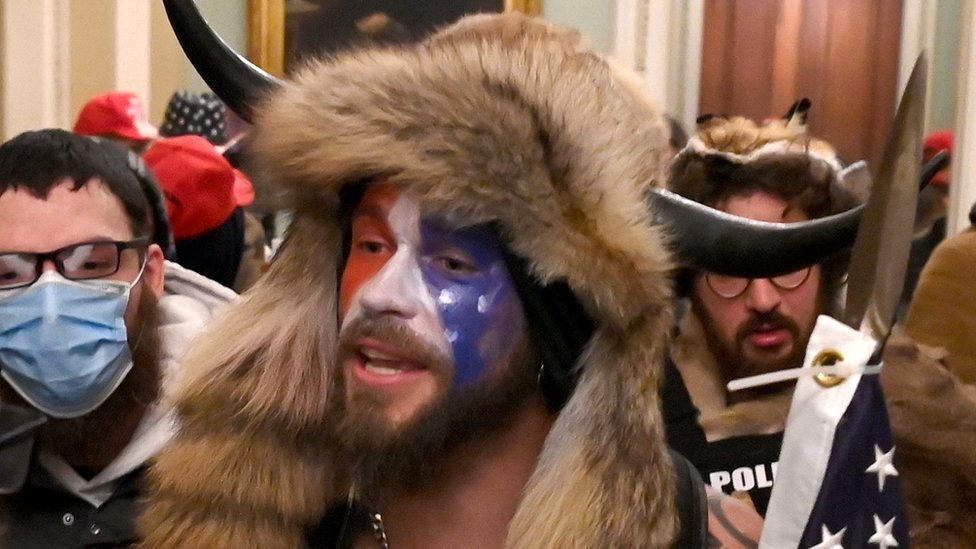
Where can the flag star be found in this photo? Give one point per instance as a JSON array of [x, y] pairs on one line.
[[830, 541], [882, 533], [883, 465]]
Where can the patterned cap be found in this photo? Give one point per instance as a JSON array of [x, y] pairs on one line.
[[195, 113]]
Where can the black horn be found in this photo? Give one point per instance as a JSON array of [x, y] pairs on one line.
[[935, 164], [712, 240], [237, 81]]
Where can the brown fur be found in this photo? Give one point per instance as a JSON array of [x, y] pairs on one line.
[[742, 136], [943, 309], [500, 119], [933, 420]]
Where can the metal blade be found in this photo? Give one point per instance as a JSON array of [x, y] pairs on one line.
[[880, 254]]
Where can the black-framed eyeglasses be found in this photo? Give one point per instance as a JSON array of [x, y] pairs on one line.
[[83, 261], [730, 287]]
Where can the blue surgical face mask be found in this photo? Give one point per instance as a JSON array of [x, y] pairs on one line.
[[63, 343]]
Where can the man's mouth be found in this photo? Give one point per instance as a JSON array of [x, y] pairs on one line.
[[769, 335], [379, 364]]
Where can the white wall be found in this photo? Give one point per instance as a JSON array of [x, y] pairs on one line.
[[947, 44], [229, 19], [594, 18], [35, 80]]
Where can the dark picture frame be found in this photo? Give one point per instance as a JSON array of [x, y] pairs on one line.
[[281, 33]]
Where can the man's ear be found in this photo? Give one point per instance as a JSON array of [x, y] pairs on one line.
[[155, 266]]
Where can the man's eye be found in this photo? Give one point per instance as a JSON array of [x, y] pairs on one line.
[[455, 265], [95, 266], [371, 246]]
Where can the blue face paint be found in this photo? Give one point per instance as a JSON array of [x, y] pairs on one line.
[[466, 273]]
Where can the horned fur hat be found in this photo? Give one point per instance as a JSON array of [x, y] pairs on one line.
[[498, 119], [729, 154], [734, 155]]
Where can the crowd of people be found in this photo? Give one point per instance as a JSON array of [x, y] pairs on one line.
[[195, 159], [481, 331]]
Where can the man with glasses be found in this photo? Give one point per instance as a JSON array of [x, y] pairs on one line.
[[92, 321], [737, 327]]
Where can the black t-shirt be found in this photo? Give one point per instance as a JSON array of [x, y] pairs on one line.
[[743, 466], [685, 435]]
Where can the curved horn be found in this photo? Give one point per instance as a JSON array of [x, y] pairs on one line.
[[712, 240], [932, 167], [237, 81]]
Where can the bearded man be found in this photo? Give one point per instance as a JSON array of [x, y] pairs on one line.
[[459, 344], [92, 320], [738, 327]]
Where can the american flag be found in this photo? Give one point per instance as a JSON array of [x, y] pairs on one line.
[[837, 485]]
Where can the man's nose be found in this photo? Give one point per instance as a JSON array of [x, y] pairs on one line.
[[762, 295], [397, 289]]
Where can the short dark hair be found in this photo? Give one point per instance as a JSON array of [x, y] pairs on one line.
[[38, 161]]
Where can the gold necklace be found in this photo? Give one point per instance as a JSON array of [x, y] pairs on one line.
[[375, 521], [379, 532]]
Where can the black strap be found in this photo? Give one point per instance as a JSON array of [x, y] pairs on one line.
[[692, 505]]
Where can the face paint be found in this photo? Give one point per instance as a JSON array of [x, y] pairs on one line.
[[450, 287], [467, 274], [382, 274]]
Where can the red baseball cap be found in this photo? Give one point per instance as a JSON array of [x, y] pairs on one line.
[[201, 188], [935, 142], [116, 113]]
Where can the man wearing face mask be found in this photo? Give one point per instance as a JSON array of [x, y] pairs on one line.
[[92, 321]]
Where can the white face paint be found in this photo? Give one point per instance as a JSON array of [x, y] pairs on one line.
[[398, 287]]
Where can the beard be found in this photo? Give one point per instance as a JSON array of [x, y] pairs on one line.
[[733, 356], [81, 441], [380, 455]]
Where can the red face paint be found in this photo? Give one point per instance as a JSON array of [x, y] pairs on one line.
[[372, 242]]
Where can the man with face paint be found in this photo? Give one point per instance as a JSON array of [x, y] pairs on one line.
[[452, 344], [89, 336], [460, 342], [432, 343]]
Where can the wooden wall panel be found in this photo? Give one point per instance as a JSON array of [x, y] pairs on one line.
[[716, 63], [759, 56]]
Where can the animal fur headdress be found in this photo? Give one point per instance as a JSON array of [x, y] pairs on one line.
[[499, 119], [735, 155]]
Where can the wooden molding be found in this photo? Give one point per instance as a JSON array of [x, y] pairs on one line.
[[530, 7], [266, 34]]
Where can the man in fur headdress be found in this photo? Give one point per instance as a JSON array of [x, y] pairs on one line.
[[739, 327], [460, 343]]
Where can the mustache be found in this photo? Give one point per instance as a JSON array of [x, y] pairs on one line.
[[410, 345], [758, 321]]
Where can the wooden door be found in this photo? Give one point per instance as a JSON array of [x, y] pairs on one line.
[[759, 56]]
